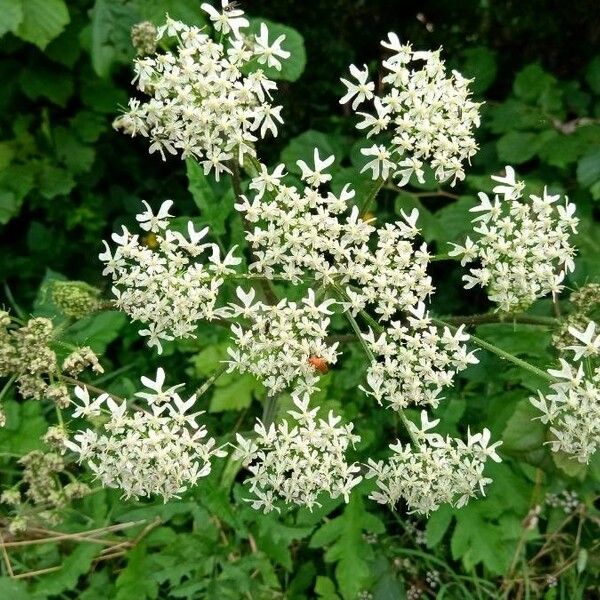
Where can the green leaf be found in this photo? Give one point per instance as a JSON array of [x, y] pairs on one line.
[[347, 547], [454, 220], [588, 172], [180, 10], [524, 432], [13, 589], [531, 82], [516, 147], [325, 589], [569, 465], [292, 67], [214, 211], [236, 395], [513, 114], [25, 426], [77, 157], [592, 74], [518, 339], [11, 15], [480, 65], [54, 181], [43, 20], [135, 581], [437, 525], [9, 206], [55, 84], [97, 331], [111, 24], [76, 564]]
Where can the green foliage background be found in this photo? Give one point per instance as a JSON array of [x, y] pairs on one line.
[[67, 180]]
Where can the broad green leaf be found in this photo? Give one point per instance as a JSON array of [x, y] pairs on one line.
[[516, 147], [513, 114], [111, 34], [292, 67], [25, 426], [325, 589], [74, 565], [569, 465], [237, 395], [524, 433], [77, 157], [11, 15], [97, 331], [54, 84], [181, 10], [437, 525], [54, 181], [531, 82], [480, 65], [517, 338], [214, 211], [346, 547], [43, 20], [135, 580], [9, 206], [454, 220], [13, 589], [588, 172]]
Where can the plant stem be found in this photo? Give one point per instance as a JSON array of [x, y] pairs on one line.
[[7, 386], [236, 183], [269, 411], [91, 387], [498, 318], [501, 353], [372, 359], [371, 195], [202, 389]]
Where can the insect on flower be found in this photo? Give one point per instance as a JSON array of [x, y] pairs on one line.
[[319, 364]]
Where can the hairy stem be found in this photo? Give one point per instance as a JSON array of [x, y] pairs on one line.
[[371, 195], [204, 387], [236, 183], [499, 318], [502, 353]]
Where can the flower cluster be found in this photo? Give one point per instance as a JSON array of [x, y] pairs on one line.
[[298, 461], [285, 344], [296, 232], [161, 451], [572, 408], [428, 114], [202, 104], [26, 354], [523, 246], [161, 284], [440, 470], [414, 361]]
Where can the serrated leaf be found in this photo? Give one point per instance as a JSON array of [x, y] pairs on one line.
[[454, 220], [54, 84], [347, 548], [43, 20], [236, 395], [516, 147], [76, 564], [292, 67], [569, 465], [54, 181]]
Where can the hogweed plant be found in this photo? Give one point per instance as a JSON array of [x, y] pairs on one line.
[[207, 97]]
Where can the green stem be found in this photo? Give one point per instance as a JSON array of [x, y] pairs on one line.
[[371, 195], [7, 386], [269, 411], [202, 389], [501, 353], [236, 183], [499, 318], [372, 359]]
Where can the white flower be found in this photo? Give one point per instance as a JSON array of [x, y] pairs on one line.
[[300, 460], [361, 91], [163, 451], [268, 53], [523, 249], [381, 163], [282, 343], [427, 112], [229, 19], [201, 105], [572, 408], [150, 222], [589, 339], [315, 177], [89, 408], [438, 471], [166, 287]]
